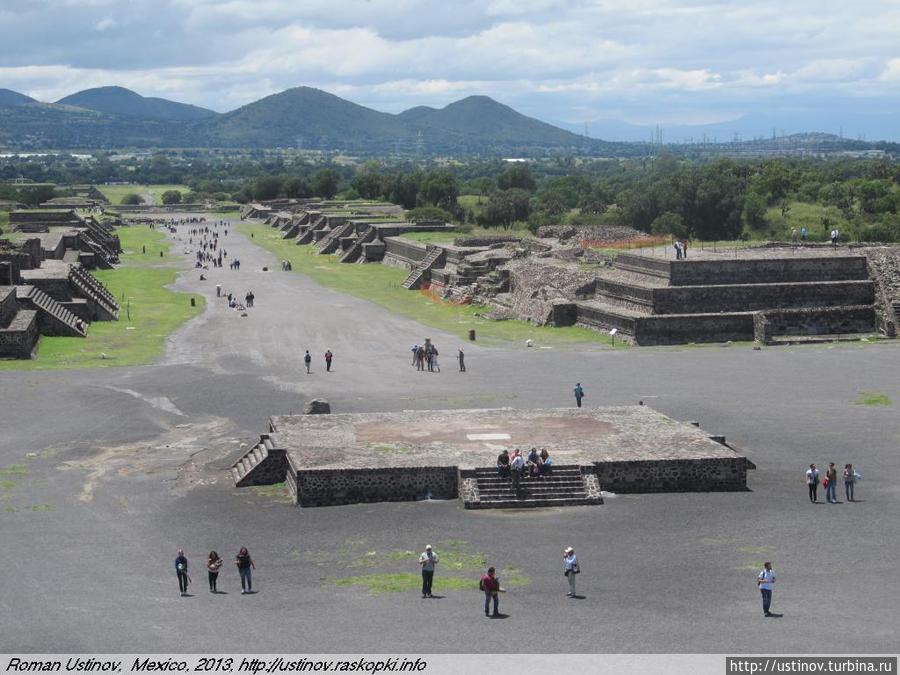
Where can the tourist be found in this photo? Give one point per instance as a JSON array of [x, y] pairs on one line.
[[764, 580], [835, 235], [677, 246], [812, 482], [427, 560], [415, 353], [516, 467], [579, 394], [212, 566], [570, 563], [251, 299], [328, 357], [490, 584], [307, 359], [546, 462], [684, 247], [831, 484], [181, 571], [533, 463], [503, 464], [804, 233], [794, 235], [244, 564], [462, 360], [850, 477], [420, 359], [433, 364]]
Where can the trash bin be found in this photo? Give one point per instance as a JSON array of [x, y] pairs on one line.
[[472, 334]]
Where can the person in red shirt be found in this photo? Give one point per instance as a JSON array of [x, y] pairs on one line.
[[490, 584]]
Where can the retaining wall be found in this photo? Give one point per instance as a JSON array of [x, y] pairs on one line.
[[676, 329], [814, 321], [331, 487], [766, 270], [18, 339], [725, 474]]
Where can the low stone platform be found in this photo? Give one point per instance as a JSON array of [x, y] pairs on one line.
[[368, 457]]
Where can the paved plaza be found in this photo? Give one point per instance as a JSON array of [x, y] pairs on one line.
[[108, 472]]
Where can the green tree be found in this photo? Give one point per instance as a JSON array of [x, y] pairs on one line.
[[755, 210], [131, 199], [171, 197], [504, 207], [670, 223], [439, 188], [296, 187], [268, 187], [324, 183], [517, 176]]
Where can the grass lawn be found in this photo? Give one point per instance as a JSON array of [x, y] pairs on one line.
[[114, 193], [802, 214], [4, 220], [873, 398], [381, 284], [473, 203], [139, 285]]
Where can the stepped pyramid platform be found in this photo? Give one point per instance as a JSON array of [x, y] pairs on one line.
[[761, 294], [411, 455]]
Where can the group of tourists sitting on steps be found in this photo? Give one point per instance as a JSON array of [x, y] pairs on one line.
[[515, 466]]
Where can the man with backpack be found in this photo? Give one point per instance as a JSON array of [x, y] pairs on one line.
[[307, 359], [328, 357]]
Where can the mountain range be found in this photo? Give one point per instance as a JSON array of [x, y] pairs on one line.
[[303, 117]]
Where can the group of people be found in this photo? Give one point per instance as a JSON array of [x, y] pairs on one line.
[[803, 234], [830, 481], [425, 357], [681, 248], [489, 584], [307, 361], [214, 563], [517, 466]]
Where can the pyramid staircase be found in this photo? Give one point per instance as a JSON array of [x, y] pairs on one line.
[[90, 288], [414, 279], [567, 485], [55, 319], [353, 253], [263, 464], [330, 242]]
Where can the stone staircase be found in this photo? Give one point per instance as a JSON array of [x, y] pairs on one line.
[[330, 242], [55, 319], [414, 279], [353, 253], [567, 485], [93, 290], [264, 464]]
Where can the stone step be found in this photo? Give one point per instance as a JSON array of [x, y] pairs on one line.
[[494, 495], [532, 503]]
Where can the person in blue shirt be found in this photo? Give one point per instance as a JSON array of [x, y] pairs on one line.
[[181, 571], [579, 394]]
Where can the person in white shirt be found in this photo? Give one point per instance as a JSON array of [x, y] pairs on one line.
[[812, 482], [427, 560], [765, 581], [571, 569]]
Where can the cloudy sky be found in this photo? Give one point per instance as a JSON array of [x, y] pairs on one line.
[[742, 66]]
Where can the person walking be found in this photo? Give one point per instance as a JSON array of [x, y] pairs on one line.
[[490, 584], [462, 361], [244, 564], [570, 561], [213, 564], [812, 482], [579, 394], [307, 359], [427, 560], [181, 571], [765, 580], [849, 482], [415, 353], [831, 484], [328, 357]]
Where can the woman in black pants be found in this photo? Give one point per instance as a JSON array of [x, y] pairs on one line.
[[213, 565], [244, 564]]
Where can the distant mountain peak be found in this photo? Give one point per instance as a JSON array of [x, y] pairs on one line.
[[8, 97], [116, 100]]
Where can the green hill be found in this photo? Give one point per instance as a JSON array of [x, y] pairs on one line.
[[121, 101], [8, 97]]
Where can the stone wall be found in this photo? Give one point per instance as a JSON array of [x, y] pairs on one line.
[[404, 251], [814, 321], [696, 475], [9, 304], [331, 487], [752, 297], [675, 329], [534, 286], [767, 270], [18, 339]]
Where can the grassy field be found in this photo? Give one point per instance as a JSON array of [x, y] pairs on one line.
[[801, 214], [381, 284], [4, 220], [139, 285], [473, 203], [114, 193]]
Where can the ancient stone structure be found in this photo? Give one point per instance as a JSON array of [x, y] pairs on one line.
[[351, 458]]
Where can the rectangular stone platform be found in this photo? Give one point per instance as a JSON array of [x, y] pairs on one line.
[[351, 458]]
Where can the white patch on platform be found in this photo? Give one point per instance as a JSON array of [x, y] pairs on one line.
[[488, 437]]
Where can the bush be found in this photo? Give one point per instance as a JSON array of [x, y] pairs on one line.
[[171, 197], [429, 213], [132, 199]]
